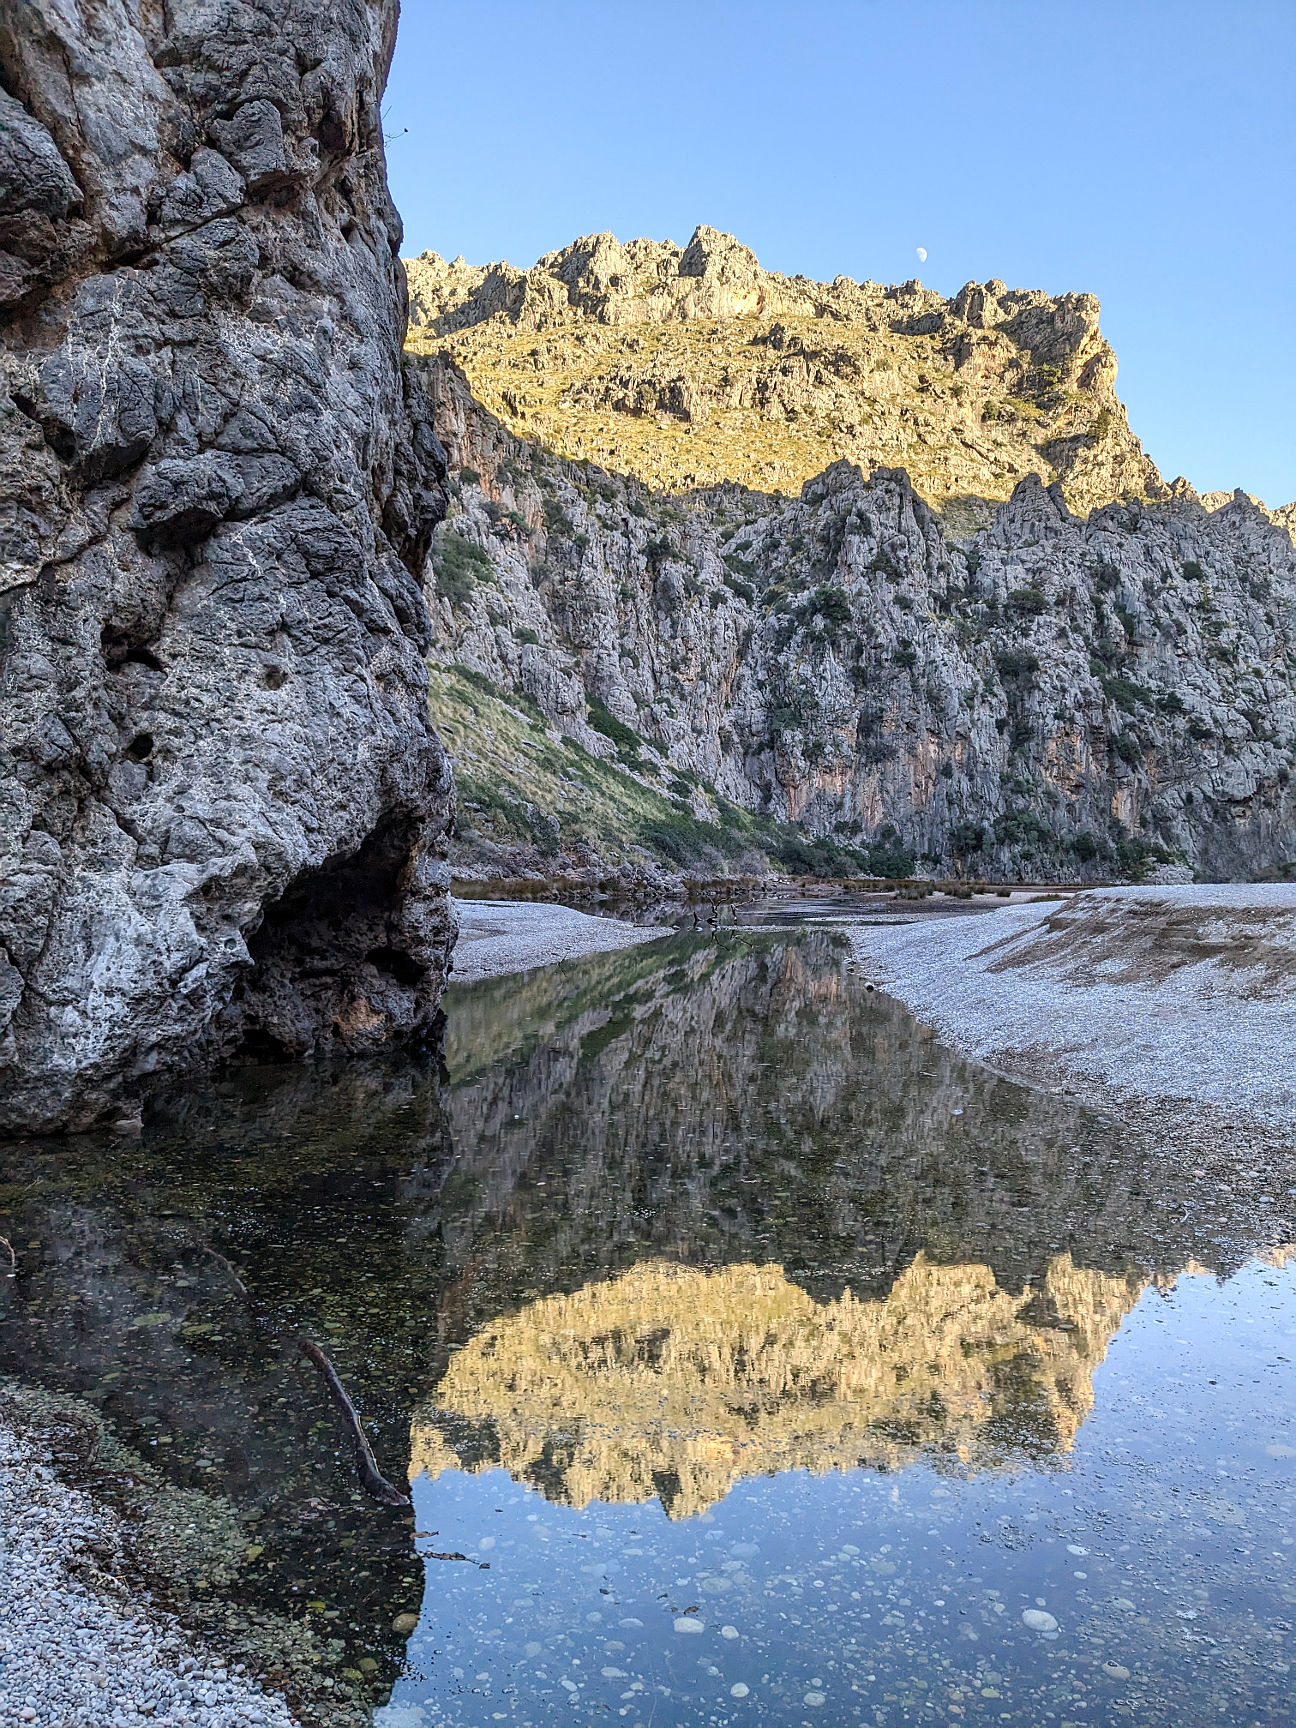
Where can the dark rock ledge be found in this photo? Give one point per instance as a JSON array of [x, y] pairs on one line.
[[221, 800]]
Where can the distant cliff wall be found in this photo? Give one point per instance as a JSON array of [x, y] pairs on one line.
[[1051, 696], [220, 794]]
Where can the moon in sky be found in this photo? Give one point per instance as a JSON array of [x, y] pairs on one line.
[[922, 254]]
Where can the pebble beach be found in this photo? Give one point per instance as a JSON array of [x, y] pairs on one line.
[[1183, 994], [78, 1649], [497, 937]]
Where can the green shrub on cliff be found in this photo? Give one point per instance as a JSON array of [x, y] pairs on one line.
[[1017, 665], [627, 740], [460, 567], [830, 603], [556, 519], [1027, 602]]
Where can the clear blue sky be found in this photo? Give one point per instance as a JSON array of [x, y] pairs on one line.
[[1141, 150]]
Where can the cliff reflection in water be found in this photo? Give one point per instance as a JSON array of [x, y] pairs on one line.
[[788, 1230], [673, 1382], [669, 1218]]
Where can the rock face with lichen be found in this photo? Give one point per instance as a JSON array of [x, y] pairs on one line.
[[221, 798]]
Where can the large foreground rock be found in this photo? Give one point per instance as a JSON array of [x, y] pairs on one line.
[[220, 795]]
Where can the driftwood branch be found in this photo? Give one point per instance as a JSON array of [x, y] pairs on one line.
[[374, 1483], [239, 1286]]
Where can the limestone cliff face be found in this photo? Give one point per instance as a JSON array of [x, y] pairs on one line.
[[690, 366], [1054, 695], [220, 795], [676, 1382]]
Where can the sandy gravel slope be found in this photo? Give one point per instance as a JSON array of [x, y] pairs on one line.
[[1183, 993], [499, 936]]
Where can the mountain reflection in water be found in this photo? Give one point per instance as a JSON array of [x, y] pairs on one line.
[[905, 1254], [686, 1224], [674, 1382]]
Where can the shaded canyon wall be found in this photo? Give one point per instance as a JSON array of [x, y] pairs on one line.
[[1052, 696], [220, 794]]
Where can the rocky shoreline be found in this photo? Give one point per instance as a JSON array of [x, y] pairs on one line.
[[82, 1644], [1169, 1008]]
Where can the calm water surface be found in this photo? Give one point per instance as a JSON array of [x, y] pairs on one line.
[[753, 1358]]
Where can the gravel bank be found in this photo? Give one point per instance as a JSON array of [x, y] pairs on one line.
[[500, 936], [1167, 994], [78, 1649]]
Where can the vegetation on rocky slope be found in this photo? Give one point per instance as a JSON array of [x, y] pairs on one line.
[[530, 798]]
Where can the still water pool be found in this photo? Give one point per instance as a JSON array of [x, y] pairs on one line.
[[753, 1358]]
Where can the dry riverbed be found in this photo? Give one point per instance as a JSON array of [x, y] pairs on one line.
[[501, 936], [1171, 1007]]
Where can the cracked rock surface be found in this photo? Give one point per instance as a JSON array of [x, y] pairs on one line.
[[221, 799]]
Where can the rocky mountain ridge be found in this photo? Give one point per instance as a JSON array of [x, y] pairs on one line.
[[1053, 696], [688, 367]]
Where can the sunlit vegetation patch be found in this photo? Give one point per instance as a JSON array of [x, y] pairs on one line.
[[521, 785]]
